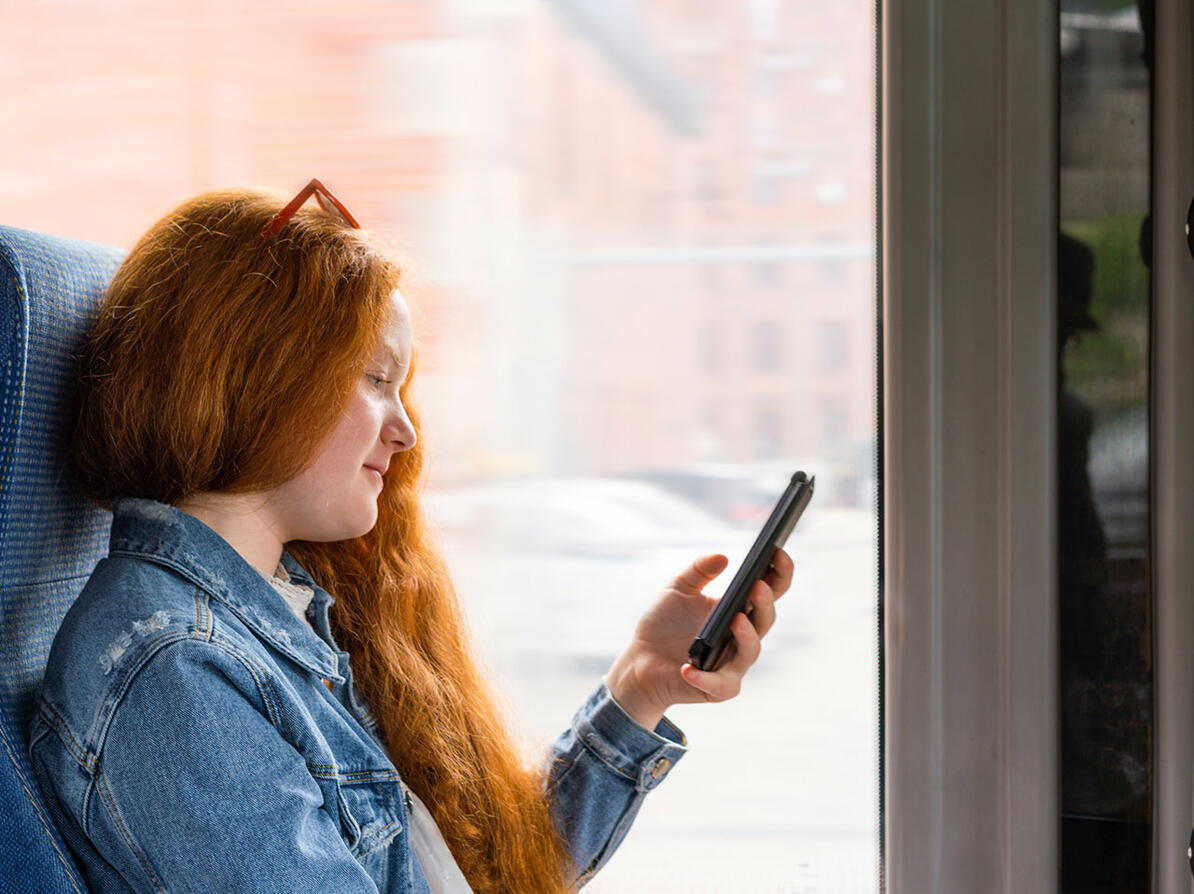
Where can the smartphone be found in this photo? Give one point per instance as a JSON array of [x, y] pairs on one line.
[[710, 644]]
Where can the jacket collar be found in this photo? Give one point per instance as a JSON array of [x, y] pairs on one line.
[[160, 533]]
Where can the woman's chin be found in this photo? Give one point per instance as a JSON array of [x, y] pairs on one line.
[[358, 524], [365, 525]]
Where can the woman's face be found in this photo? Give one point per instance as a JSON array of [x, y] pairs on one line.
[[335, 498]]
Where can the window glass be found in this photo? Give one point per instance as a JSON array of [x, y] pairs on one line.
[[623, 222], [1104, 256]]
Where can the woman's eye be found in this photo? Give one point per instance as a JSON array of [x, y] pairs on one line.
[[377, 380]]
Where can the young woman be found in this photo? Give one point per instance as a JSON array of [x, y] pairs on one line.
[[244, 411]]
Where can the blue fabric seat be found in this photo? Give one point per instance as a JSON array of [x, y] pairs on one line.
[[50, 537]]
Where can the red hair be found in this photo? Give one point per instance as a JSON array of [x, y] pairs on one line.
[[220, 362]]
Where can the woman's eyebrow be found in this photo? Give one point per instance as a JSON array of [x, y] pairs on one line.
[[397, 361]]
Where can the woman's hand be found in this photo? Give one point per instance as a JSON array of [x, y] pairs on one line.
[[653, 672]]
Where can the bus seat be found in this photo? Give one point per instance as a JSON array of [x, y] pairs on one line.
[[50, 537]]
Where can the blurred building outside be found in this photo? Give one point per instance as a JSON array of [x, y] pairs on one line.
[[646, 226]]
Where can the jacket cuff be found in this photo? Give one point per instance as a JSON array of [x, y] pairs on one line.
[[643, 756]]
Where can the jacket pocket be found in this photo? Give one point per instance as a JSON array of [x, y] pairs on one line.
[[371, 814]]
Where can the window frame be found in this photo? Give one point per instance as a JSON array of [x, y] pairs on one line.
[[969, 222]]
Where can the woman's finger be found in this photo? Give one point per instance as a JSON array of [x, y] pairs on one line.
[[779, 577], [750, 646], [762, 600], [716, 685], [726, 682]]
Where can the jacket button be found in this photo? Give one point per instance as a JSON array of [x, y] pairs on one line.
[[661, 767]]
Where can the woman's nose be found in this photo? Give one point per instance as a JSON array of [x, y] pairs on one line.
[[399, 432]]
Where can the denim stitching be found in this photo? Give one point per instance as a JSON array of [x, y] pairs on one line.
[[138, 550], [380, 835], [273, 705], [280, 707], [85, 806], [370, 838], [370, 776], [247, 662], [348, 822], [58, 724], [593, 741], [38, 736], [330, 771], [261, 676], [70, 872], [106, 795], [619, 833], [270, 701], [116, 694], [205, 621]]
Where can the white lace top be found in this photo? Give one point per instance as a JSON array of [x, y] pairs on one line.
[[439, 866]]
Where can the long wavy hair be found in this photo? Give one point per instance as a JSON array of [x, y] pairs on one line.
[[220, 362]]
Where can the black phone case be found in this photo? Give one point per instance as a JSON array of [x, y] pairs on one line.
[[711, 642]]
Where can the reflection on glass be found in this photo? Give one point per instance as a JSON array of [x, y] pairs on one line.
[[1103, 410]]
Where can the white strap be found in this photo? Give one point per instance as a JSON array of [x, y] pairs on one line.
[[439, 866]]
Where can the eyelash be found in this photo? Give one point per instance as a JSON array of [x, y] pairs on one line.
[[377, 379]]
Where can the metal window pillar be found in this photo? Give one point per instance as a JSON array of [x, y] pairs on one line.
[[969, 235]]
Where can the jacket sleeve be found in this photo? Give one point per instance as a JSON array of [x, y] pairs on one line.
[[199, 789], [599, 771]]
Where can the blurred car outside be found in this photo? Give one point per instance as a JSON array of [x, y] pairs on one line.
[[556, 572], [744, 494], [595, 517], [736, 494]]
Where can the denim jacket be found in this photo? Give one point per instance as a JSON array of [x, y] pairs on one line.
[[185, 740]]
